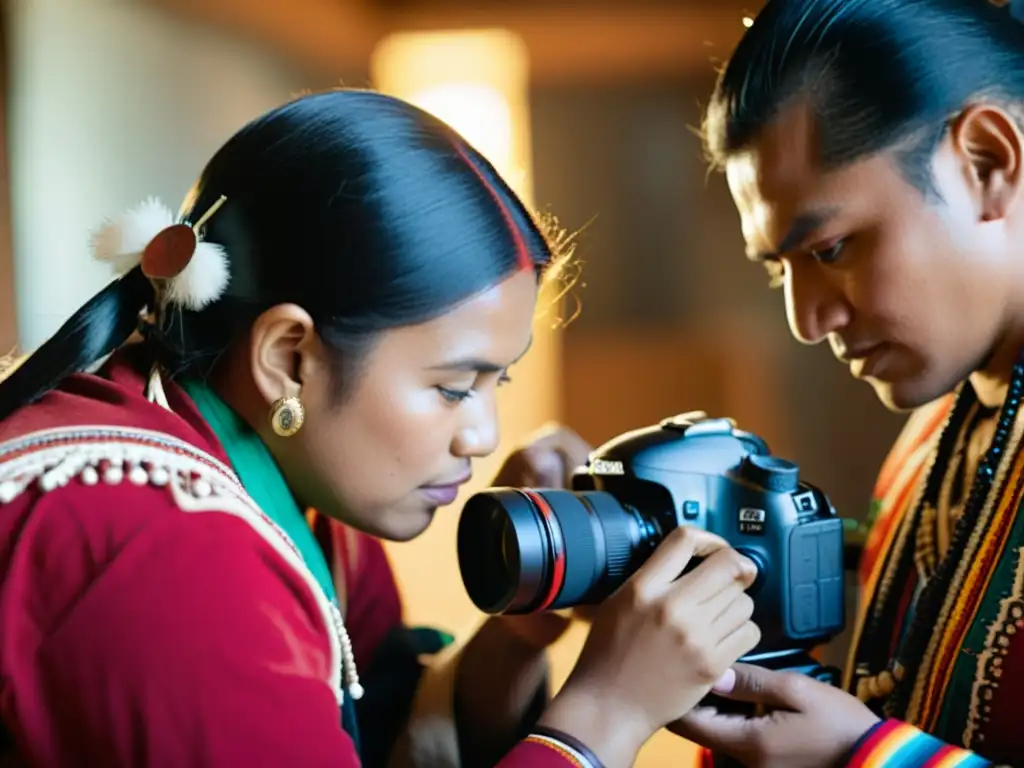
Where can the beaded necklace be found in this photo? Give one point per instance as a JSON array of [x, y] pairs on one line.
[[932, 594]]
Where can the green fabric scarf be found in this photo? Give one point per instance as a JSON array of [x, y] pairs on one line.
[[261, 478]]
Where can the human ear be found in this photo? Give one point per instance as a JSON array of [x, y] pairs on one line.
[[990, 145], [284, 351]]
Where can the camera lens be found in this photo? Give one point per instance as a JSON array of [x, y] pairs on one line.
[[522, 550]]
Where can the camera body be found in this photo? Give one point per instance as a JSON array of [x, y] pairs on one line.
[[523, 550], [691, 470]]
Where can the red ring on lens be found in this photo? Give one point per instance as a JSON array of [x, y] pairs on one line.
[[558, 553]]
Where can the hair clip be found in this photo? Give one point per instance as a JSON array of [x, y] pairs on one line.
[[186, 271]]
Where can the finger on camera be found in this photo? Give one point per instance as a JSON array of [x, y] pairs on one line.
[[739, 643], [732, 615], [673, 554], [720, 570]]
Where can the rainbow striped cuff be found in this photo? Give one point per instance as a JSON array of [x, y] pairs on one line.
[[894, 744], [572, 756]]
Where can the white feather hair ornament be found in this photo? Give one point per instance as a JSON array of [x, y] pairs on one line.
[[187, 272]]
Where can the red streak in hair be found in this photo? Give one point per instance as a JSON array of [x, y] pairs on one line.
[[522, 251]]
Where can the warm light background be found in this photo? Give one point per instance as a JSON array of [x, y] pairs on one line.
[[587, 109]]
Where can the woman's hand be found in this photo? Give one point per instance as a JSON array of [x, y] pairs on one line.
[[657, 646], [547, 460], [809, 724]]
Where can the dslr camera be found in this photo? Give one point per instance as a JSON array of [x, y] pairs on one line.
[[530, 549]]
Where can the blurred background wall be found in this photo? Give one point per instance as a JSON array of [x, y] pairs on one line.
[[589, 110]]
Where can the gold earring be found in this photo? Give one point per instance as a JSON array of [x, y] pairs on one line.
[[287, 416]]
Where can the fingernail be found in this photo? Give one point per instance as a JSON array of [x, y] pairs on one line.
[[752, 570], [726, 682]]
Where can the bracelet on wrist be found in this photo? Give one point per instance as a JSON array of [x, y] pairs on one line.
[[576, 748]]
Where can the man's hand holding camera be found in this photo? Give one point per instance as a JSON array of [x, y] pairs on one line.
[[807, 724]]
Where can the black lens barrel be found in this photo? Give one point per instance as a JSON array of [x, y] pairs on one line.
[[523, 550]]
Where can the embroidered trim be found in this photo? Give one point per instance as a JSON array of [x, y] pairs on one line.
[[196, 481], [928, 612], [959, 612], [883, 574], [925, 547], [570, 742], [898, 489], [1009, 621], [899, 492], [563, 750], [963, 599]]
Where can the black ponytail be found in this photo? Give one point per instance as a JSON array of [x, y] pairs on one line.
[[92, 333]]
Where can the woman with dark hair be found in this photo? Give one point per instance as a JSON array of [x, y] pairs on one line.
[[323, 327], [875, 151]]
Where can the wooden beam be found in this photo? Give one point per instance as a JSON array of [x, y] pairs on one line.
[[566, 45]]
